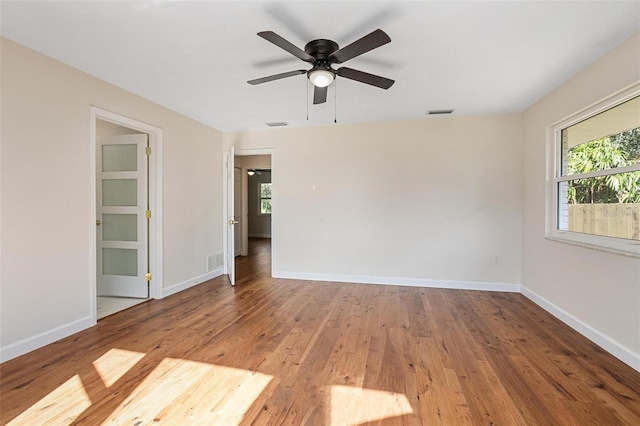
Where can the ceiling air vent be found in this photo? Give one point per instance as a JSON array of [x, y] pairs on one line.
[[277, 124], [439, 111]]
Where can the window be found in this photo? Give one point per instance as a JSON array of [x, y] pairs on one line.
[[265, 198], [594, 190]]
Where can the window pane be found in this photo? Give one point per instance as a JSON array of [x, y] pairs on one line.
[[265, 190], [120, 262], [265, 206], [608, 205], [605, 141], [119, 192], [120, 158], [120, 227]]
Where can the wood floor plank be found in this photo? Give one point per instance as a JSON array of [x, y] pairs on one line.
[[281, 352]]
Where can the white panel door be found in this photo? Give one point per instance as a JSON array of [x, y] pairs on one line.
[[122, 225], [231, 221]]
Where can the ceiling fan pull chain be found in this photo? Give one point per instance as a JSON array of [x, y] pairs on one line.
[[307, 85], [335, 101]]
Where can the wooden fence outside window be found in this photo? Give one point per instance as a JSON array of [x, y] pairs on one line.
[[614, 220]]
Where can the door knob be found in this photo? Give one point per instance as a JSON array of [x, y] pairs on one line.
[[98, 222], [233, 222]]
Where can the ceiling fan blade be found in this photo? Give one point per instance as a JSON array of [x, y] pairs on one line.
[[286, 45], [319, 95], [276, 77], [369, 42], [365, 77]]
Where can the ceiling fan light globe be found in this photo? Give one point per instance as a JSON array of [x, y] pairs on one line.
[[321, 78]]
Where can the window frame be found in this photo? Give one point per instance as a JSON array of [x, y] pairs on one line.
[[260, 198], [554, 177]]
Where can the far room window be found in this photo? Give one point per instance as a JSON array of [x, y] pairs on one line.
[[595, 189], [265, 198]]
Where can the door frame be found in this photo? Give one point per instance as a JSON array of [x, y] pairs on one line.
[[155, 202], [228, 213]]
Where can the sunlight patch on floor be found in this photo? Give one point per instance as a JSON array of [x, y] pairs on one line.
[[179, 391], [176, 391], [60, 407], [115, 363], [352, 406]]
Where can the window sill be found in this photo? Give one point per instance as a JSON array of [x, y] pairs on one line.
[[605, 244]]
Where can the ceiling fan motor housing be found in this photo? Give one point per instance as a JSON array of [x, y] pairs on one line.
[[321, 49]]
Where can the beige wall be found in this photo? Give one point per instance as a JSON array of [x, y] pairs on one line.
[[598, 292], [46, 203], [414, 202]]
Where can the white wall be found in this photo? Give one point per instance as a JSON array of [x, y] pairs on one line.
[[425, 202], [46, 203], [596, 292]]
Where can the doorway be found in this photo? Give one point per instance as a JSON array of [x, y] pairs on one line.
[[127, 244], [255, 211]]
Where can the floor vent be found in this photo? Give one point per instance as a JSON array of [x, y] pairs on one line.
[[214, 262]]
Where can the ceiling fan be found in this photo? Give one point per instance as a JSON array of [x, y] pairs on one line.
[[322, 54]]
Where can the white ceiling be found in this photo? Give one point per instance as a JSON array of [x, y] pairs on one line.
[[195, 57]]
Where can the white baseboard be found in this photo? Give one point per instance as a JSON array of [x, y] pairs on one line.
[[29, 344], [175, 288], [16, 349], [408, 282], [621, 352]]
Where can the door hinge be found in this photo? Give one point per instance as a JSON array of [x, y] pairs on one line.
[[147, 276], [147, 214], [147, 150]]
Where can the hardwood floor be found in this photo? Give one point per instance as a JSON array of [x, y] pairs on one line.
[[289, 352]]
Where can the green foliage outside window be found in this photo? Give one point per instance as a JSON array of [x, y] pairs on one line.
[[265, 198], [611, 152]]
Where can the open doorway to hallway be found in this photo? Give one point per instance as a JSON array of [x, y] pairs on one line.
[[254, 209]]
